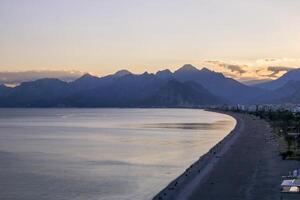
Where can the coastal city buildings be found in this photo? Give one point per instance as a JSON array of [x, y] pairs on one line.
[[294, 108], [290, 186]]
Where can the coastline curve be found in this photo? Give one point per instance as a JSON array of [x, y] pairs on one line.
[[183, 186]]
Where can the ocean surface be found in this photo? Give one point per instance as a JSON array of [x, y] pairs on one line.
[[101, 154]]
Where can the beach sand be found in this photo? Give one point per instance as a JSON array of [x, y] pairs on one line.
[[244, 165]]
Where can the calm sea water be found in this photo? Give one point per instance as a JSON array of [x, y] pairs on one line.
[[87, 154]]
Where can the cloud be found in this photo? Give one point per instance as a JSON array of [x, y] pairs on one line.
[[276, 70], [213, 61], [262, 69], [232, 67], [270, 59], [265, 62], [14, 78], [235, 68]]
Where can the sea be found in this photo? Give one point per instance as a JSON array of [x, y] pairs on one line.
[[101, 154]]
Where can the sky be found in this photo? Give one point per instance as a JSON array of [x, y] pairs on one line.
[[257, 39]]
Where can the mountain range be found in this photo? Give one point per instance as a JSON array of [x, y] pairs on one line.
[[186, 87], [292, 75]]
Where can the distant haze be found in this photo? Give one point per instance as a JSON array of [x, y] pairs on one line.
[[14, 78]]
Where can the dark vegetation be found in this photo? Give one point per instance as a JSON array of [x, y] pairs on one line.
[[286, 126]]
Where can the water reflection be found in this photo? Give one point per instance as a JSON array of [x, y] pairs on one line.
[[100, 154], [192, 126]]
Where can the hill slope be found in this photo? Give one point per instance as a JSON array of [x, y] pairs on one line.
[[187, 86], [187, 94], [293, 75], [218, 84]]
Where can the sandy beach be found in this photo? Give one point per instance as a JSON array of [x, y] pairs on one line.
[[244, 165]]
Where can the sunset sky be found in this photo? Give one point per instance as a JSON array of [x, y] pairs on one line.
[[243, 39]]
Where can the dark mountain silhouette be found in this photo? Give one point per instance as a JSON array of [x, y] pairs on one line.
[[122, 72], [88, 82], [294, 98], [4, 90], [126, 91], [289, 93], [284, 94], [85, 82], [164, 74], [293, 75], [289, 88], [218, 84], [187, 86], [178, 94], [40, 93]]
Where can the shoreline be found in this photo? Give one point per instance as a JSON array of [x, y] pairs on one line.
[[184, 184], [243, 165]]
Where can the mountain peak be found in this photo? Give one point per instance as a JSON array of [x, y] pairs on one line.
[[87, 76], [204, 69], [187, 67], [122, 72], [292, 75], [145, 73], [164, 73]]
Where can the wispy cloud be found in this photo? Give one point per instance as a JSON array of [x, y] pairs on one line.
[[277, 62], [276, 70], [261, 69], [235, 68], [229, 69], [14, 78]]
